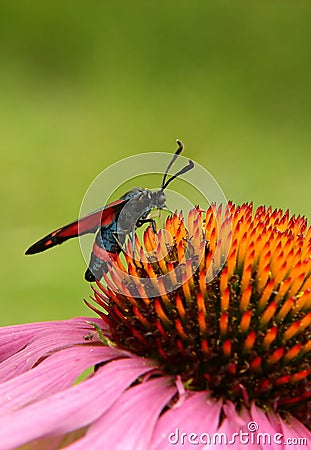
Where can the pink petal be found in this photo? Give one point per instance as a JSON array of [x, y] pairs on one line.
[[52, 375], [266, 424], [22, 346], [293, 432], [197, 414], [73, 408], [233, 423], [15, 337], [130, 422]]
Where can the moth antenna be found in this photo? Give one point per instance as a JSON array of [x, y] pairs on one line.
[[175, 156], [188, 167]]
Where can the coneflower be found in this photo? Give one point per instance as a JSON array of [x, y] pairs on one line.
[[203, 339]]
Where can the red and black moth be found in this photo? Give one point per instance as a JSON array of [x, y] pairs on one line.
[[114, 222]]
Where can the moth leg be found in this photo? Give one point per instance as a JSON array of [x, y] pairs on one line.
[[119, 237], [133, 243], [141, 222]]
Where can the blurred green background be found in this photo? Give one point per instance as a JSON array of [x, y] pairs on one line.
[[84, 84]]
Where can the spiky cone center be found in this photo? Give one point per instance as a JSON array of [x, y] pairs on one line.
[[244, 334]]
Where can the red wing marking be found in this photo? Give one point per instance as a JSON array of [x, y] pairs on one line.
[[88, 224]]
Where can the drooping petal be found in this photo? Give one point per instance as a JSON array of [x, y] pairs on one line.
[[15, 337], [269, 426], [52, 375], [226, 435], [130, 423], [21, 347], [295, 434], [73, 408], [197, 414]]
